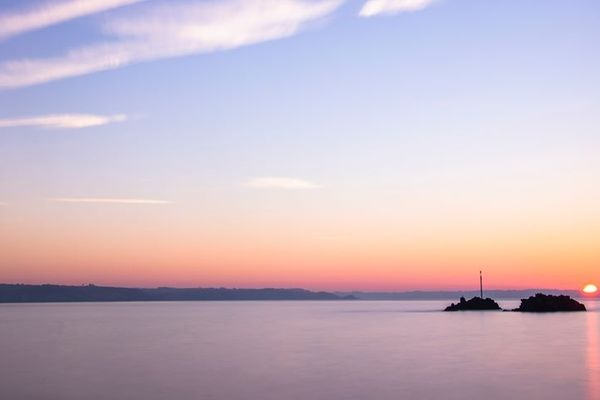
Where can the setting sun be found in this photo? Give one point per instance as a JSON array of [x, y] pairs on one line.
[[590, 289]]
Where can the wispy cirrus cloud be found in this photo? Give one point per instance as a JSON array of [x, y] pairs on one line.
[[51, 13], [62, 121], [105, 200], [388, 7], [278, 182], [172, 29]]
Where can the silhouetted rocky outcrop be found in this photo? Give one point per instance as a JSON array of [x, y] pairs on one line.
[[476, 303], [549, 303]]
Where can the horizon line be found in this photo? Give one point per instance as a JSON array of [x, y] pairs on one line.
[[292, 287]]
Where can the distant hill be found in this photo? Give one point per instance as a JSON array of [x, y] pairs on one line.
[[453, 295], [20, 293], [90, 293]]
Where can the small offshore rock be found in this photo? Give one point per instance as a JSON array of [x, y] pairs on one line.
[[549, 303], [474, 304]]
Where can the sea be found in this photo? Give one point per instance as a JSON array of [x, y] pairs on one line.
[[287, 350]]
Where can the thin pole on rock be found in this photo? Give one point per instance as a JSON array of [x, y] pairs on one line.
[[480, 284]]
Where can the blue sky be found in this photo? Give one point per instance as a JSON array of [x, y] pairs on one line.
[[303, 110]]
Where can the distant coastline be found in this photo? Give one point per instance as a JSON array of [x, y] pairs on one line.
[[509, 294], [22, 293], [50, 293]]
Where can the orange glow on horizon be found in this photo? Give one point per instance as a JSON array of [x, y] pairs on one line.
[[145, 248]]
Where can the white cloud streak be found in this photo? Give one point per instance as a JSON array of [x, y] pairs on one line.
[[274, 182], [52, 13], [389, 7], [101, 200], [62, 121], [173, 29]]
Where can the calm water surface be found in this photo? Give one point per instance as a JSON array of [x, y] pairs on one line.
[[294, 350]]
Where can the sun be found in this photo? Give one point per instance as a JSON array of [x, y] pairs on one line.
[[590, 289]]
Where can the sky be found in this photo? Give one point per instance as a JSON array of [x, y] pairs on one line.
[[324, 144]]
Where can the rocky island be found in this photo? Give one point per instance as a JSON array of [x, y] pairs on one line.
[[549, 303], [474, 304]]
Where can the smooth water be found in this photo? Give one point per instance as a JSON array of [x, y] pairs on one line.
[[294, 350]]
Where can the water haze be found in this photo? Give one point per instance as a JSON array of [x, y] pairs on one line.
[[295, 350]]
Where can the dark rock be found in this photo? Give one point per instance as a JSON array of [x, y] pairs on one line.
[[476, 303], [549, 303]]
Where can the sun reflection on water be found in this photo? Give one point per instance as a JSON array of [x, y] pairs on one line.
[[593, 356]]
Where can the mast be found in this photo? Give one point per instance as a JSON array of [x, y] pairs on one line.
[[481, 284]]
